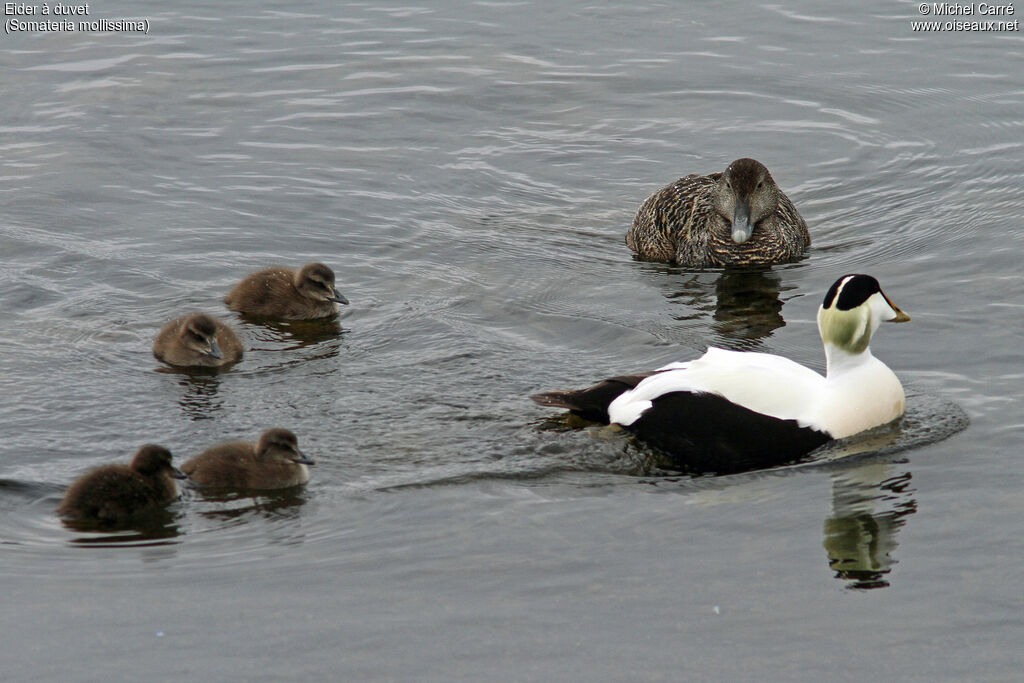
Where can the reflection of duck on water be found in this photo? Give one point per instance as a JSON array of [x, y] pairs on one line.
[[276, 504], [868, 507], [297, 334], [744, 303], [199, 399], [747, 305]]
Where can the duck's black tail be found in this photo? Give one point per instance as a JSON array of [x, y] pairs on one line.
[[590, 403]]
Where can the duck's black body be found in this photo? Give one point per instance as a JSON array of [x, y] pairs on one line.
[[701, 433], [720, 437]]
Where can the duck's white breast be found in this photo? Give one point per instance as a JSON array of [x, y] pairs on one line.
[[860, 399]]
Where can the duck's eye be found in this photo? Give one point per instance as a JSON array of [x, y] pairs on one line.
[[728, 184], [760, 183]]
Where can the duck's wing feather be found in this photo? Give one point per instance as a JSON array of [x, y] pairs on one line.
[[760, 382]]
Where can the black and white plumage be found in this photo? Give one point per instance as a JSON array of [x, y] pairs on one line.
[[736, 218], [730, 411]]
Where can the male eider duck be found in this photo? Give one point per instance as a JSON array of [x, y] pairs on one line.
[[730, 411], [288, 294], [115, 493], [736, 218], [273, 462], [197, 340]]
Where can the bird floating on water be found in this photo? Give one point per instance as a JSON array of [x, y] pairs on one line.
[[736, 218], [287, 294], [116, 493], [197, 340], [273, 462], [731, 411]]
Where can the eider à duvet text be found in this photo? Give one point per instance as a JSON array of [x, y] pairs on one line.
[[732, 411], [736, 218]]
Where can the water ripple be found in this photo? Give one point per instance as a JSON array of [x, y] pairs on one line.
[[471, 184]]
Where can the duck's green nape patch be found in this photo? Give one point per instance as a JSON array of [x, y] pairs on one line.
[[846, 330]]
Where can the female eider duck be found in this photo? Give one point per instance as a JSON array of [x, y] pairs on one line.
[[288, 294], [736, 218], [115, 493], [197, 340], [730, 411], [273, 462]]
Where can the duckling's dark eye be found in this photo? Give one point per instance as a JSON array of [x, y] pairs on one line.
[[760, 183], [728, 184]]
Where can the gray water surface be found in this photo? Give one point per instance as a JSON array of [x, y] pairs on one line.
[[469, 171]]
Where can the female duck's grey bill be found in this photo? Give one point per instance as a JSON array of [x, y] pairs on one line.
[[338, 297], [741, 228], [178, 474]]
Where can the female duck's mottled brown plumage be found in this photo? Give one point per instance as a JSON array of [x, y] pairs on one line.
[[273, 462], [114, 493], [738, 218], [197, 340], [287, 294]]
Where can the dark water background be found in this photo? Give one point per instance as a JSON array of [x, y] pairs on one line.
[[469, 170]]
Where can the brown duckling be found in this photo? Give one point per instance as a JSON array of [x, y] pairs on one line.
[[287, 294], [739, 217], [114, 493], [273, 462], [197, 340]]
